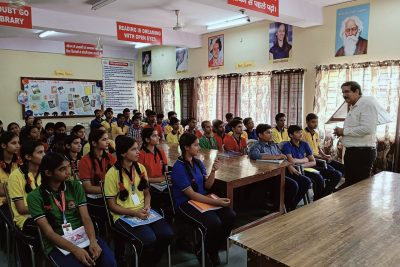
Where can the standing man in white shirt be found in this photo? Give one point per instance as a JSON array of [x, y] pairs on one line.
[[359, 134]]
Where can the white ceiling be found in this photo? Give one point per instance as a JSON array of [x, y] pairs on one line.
[[324, 3]]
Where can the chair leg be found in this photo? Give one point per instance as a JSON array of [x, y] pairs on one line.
[[136, 255], [8, 242], [169, 256], [32, 255], [203, 251], [227, 251]]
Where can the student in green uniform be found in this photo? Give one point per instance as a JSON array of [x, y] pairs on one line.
[[58, 207], [208, 140], [73, 149]]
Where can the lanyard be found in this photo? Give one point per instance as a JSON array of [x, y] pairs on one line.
[[61, 205]]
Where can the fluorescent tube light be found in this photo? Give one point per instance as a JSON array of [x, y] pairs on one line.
[[46, 33], [229, 23], [101, 4]]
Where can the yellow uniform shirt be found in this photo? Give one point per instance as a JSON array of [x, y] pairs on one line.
[[16, 189], [117, 130], [173, 138], [168, 129], [111, 189], [86, 147], [106, 125], [312, 140], [4, 179], [278, 136], [244, 135]]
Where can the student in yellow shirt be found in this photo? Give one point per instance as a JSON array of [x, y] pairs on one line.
[[279, 132], [119, 127], [168, 127], [127, 191], [20, 183], [174, 135]]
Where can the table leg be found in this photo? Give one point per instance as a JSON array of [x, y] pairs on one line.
[[254, 260], [229, 193], [282, 191]]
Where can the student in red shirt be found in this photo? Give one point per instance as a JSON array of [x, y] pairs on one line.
[[192, 127], [152, 123], [219, 133], [235, 142]]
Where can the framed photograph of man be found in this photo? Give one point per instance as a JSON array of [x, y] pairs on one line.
[[280, 41], [352, 26], [146, 63], [216, 51], [182, 60]]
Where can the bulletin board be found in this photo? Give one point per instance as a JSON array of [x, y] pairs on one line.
[[61, 97]]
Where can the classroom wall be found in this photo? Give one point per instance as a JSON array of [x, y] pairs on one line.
[[311, 47]]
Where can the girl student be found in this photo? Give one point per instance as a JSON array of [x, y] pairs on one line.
[[73, 148], [190, 181], [79, 130], [92, 168], [58, 207], [127, 192]]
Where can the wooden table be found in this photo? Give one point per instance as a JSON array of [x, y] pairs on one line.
[[357, 226], [237, 172]]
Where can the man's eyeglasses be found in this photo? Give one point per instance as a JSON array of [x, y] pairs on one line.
[[352, 30]]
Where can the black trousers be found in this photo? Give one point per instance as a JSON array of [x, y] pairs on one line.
[[358, 163], [29, 228]]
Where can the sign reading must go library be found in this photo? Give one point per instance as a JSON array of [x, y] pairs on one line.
[[20, 17], [139, 33]]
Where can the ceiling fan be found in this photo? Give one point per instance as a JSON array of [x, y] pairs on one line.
[[177, 26]]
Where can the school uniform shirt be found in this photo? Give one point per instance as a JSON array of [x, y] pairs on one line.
[[107, 124], [168, 129], [4, 178], [280, 136], [261, 148], [173, 138], [16, 190], [158, 128], [251, 135], [231, 144], [208, 142], [86, 147], [244, 135], [196, 132], [118, 130], [111, 189], [96, 122], [153, 163], [312, 139], [220, 140], [86, 171], [298, 152], [181, 180], [74, 197]]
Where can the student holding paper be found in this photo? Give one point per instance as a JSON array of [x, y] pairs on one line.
[[58, 207], [127, 191], [190, 181]]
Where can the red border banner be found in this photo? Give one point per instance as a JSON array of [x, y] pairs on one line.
[[269, 7], [15, 17], [81, 50], [139, 33]]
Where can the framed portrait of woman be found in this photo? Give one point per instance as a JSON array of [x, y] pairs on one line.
[[280, 41]]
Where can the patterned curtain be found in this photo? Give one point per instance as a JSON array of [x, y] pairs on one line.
[[144, 95], [255, 97], [168, 94], [156, 96], [287, 88], [186, 87], [206, 91], [228, 95]]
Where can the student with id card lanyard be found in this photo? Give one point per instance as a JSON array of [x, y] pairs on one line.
[[127, 191], [58, 207]]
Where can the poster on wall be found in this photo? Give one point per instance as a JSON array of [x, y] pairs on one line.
[[146, 63], [352, 26], [216, 51], [182, 60], [280, 42]]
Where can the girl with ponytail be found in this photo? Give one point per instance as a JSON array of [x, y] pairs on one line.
[[127, 192], [73, 148], [58, 206]]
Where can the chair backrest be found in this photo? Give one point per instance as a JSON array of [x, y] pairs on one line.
[[109, 216], [5, 188], [168, 181]]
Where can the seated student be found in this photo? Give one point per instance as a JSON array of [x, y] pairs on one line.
[[111, 143], [192, 127], [57, 144], [160, 121], [118, 127], [108, 120], [93, 168], [244, 133], [135, 130], [59, 128], [219, 133], [127, 115], [279, 132], [235, 142], [168, 127], [48, 132], [127, 192], [174, 135], [20, 183], [265, 148], [311, 136], [152, 123], [14, 127], [31, 133], [207, 140], [73, 148], [299, 152], [251, 132], [59, 202], [98, 113], [190, 182], [79, 130], [229, 118]]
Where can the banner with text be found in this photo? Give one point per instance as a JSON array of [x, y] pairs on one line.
[[269, 7], [139, 33], [81, 50], [119, 84], [20, 17]]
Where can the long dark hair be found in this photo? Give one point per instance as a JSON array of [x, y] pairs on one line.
[[285, 39], [6, 137], [95, 136], [123, 144], [68, 141], [28, 148], [146, 134]]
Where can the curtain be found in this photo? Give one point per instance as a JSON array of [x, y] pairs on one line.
[[186, 87], [228, 95], [397, 146], [256, 97], [206, 94], [156, 96], [287, 88], [378, 79], [144, 95], [168, 95]]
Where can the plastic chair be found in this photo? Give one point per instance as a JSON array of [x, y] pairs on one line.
[[8, 222]]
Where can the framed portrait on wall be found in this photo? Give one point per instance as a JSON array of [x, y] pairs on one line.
[[182, 59], [146, 63], [216, 51], [280, 41]]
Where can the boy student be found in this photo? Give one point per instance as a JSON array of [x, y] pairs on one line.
[[168, 127], [98, 113], [265, 148], [251, 132], [192, 123], [207, 140], [119, 127], [135, 130], [299, 152], [311, 136], [280, 133], [235, 142], [152, 123], [219, 132], [109, 119], [229, 118], [244, 133], [127, 115], [174, 135]]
